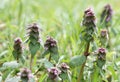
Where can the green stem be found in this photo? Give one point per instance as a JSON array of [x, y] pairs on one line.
[[86, 53], [49, 58], [31, 62]]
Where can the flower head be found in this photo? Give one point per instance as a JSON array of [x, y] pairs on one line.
[[106, 15], [53, 73], [101, 53], [25, 74], [64, 66], [33, 33], [89, 18], [17, 51], [50, 42]]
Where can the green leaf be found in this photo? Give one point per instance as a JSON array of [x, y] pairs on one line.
[[64, 76], [34, 48], [45, 53], [54, 53], [47, 64], [55, 56], [12, 64], [100, 63], [77, 60], [13, 79]]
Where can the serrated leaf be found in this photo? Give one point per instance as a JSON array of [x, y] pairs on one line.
[[77, 60]]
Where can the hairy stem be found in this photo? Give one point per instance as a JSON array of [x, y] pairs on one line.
[[86, 53]]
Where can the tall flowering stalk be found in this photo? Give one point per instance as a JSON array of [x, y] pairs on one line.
[[17, 51], [89, 27], [101, 57], [33, 40], [51, 48], [106, 18]]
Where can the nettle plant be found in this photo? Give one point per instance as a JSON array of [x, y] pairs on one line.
[[49, 67]]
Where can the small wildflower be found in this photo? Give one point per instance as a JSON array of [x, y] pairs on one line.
[[89, 23], [106, 15], [89, 18], [34, 33], [104, 37], [17, 51], [50, 43], [25, 74], [53, 73], [101, 53], [64, 67]]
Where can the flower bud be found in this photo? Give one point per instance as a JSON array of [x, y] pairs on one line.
[[104, 37], [25, 75], [17, 51], [106, 16], [53, 73]]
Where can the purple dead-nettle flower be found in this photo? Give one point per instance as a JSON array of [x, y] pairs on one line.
[[17, 51], [25, 74], [104, 37], [50, 42], [53, 73], [102, 53], [34, 33], [89, 23], [64, 67], [104, 33], [89, 18], [106, 15]]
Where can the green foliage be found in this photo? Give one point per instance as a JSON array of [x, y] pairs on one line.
[[77, 60]]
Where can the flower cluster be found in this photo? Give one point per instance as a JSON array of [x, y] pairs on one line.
[[64, 67], [17, 51], [25, 74], [34, 39], [106, 16], [53, 73], [89, 18], [89, 24], [50, 43], [101, 53], [33, 33]]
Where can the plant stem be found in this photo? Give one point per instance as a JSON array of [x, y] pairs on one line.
[[49, 58], [86, 53], [31, 62]]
